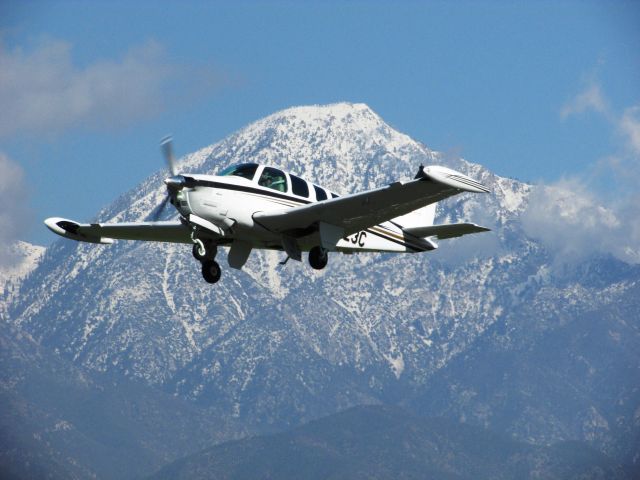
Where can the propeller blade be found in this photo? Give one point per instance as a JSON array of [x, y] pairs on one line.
[[159, 209], [166, 144]]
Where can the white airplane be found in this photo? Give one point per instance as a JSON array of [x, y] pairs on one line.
[[249, 206]]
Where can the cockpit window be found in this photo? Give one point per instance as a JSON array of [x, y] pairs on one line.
[[245, 170], [320, 193], [299, 186], [273, 178], [334, 195]]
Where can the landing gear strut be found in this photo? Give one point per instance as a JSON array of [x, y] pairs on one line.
[[199, 251], [204, 251], [318, 258]]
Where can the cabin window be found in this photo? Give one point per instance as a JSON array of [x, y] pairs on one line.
[[299, 186], [273, 178], [244, 170], [320, 193]]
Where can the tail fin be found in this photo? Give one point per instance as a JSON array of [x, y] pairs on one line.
[[422, 217]]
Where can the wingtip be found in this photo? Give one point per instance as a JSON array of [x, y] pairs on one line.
[[69, 229], [454, 179], [481, 228], [55, 224]]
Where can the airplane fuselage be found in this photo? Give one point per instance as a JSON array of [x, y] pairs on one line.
[[232, 201]]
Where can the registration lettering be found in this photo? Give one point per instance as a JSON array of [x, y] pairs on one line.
[[357, 238]]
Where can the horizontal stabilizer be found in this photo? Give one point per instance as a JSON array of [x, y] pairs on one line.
[[450, 230]]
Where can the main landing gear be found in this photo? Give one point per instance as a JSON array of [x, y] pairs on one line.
[[205, 253], [211, 271], [318, 258]]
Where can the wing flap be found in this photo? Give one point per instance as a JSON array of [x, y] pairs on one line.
[[450, 230]]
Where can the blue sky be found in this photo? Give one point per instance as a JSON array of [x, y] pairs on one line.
[[538, 91]]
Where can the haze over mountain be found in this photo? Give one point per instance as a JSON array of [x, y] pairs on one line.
[[490, 330], [59, 420], [386, 442]]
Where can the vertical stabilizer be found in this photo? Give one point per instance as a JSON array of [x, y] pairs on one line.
[[422, 217]]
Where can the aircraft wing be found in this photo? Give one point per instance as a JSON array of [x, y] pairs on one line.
[[107, 232], [352, 213], [450, 230]]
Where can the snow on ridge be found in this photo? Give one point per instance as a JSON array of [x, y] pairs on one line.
[[29, 255], [11, 276], [339, 110]]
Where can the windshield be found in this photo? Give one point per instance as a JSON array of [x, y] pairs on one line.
[[245, 170], [273, 178]]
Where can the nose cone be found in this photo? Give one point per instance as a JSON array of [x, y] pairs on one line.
[[175, 183]]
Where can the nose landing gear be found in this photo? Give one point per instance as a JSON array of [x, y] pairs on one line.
[[205, 252]]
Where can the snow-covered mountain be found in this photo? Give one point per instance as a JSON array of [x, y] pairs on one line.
[[273, 346], [26, 257]]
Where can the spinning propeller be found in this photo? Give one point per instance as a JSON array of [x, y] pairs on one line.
[[166, 145], [174, 183]]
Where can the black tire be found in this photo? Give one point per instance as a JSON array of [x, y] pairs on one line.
[[318, 258], [211, 271]]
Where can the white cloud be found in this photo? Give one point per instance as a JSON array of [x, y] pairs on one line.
[[629, 126], [574, 218], [590, 98], [571, 221], [44, 91], [15, 215]]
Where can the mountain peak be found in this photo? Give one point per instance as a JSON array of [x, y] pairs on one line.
[[342, 146], [338, 110], [337, 122]]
